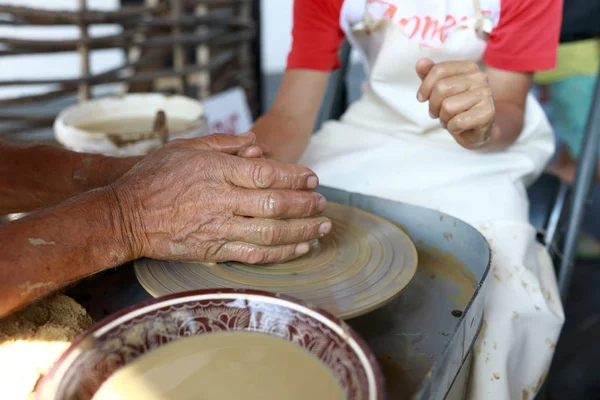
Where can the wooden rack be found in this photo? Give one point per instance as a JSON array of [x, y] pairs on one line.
[[192, 47]]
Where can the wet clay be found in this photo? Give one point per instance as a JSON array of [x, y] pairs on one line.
[[56, 318], [32, 339], [363, 263], [436, 264], [224, 365], [126, 131], [132, 126]]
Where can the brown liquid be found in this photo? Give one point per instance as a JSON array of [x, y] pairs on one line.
[[436, 264], [400, 383], [224, 365], [132, 126], [404, 378]]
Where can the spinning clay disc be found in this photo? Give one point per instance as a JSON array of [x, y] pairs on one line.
[[364, 262]]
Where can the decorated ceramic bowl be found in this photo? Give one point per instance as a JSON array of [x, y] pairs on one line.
[[125, 336]]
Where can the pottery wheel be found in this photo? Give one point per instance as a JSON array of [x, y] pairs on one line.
[[364, 262]]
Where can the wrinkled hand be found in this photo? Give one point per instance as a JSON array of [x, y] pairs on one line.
[[106, 170], [195, 200], [459, 95]]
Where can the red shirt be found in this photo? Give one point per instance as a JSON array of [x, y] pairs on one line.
[[524, 39]]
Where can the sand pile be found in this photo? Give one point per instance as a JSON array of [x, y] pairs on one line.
[[32, 339]]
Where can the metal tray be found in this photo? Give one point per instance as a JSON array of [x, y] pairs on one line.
[[423, 337]]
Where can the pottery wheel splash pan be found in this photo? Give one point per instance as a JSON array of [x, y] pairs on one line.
[[362, 264]]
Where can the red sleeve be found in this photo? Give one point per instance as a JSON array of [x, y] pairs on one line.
[[527, 35], [316, 35]]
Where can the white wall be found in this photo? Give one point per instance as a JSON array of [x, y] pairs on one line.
[[276, 34]]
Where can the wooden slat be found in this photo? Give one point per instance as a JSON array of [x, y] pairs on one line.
[[34, 16], [83, 88], [22, 100], [115, 41], [215, 62], [179, 56]]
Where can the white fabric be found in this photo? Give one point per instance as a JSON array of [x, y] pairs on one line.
[[386, 145], [426, 22]]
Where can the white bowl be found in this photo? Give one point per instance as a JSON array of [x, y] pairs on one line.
[[68, 131]]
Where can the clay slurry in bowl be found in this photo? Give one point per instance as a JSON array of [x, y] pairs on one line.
[[363, 263], [132, 126], [224, 365], [123, 132]]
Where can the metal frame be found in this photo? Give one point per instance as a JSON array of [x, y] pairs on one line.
[[257, 58], [554, 219], [584, 182]]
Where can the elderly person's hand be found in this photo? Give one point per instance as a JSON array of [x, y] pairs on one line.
[[41, 176], [105, 170], [187, 201], [460, 96]]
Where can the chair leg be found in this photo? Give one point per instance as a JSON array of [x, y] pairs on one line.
[[555, 215], [584, 180]]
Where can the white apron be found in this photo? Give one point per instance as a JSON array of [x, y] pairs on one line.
[[386, 145]]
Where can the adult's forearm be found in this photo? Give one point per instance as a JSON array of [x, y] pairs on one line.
[[507, 127], [36, 176], [281, 137], [59, 245], [286, 129]]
